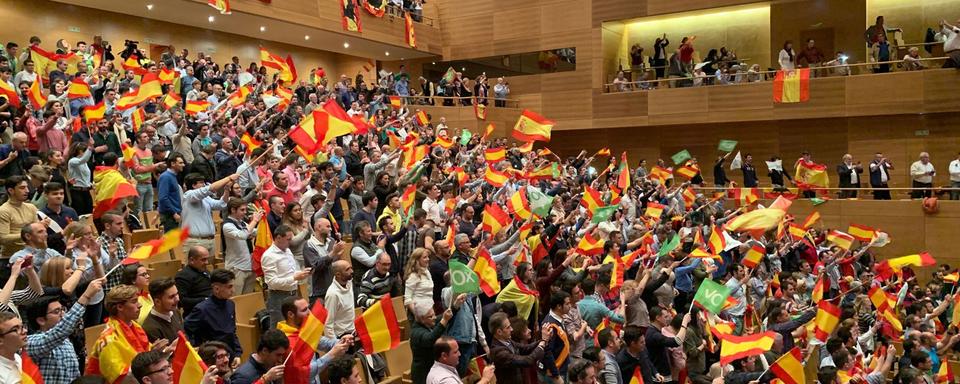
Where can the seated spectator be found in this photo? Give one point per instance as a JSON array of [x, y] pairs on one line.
[[217, 354], [163, 320], [911, 61], [266, 364]]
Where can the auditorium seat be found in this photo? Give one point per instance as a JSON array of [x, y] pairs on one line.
[[91, 334], [247, 307], [399, 360], [164, 268], [249, 336], [141, 236], [151, 219]]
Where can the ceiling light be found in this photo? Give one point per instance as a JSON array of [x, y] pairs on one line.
[[149, 7], [210, 19], [387, 53], [263, 29], [346, 44], [306, 37], [401, 59], [463, 68], [433, 63]]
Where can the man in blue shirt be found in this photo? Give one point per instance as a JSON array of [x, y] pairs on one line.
[[197, 208], [169, 192], [58, 213]]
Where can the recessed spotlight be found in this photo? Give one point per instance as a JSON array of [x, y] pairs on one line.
[[149, 7], [387, 53], [263, 29], [463, 68], [433, 63], [346, 45], [401, 59], [210, 19], [306, 37]]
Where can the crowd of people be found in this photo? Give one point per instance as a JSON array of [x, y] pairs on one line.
[[599, 270]]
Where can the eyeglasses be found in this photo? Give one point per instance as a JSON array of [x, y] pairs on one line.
[[163, 369], [222, 356], [16, 329], [57, 311]]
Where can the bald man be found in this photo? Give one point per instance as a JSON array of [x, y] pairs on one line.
[[339, 301], [319, 253], [849, 172], [439, 266], [13, 156]]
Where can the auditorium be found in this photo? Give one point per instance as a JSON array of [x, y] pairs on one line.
[[479, 191]]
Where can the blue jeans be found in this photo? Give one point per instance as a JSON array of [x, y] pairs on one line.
[[144, 201], [467, 352]]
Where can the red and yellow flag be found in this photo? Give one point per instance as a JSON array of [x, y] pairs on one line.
[[249, 142], [637, 377], [754, 256], [700, 253], [44, 61], [810, 220], [29, 371], [422, 118], [737, 347], [194, 107], [413, 154], [95, 112], [411, 35], [443, 142], [261, 244], [221, 5], [110, 188], [288, 71], [172, 239], [78, 89], [861, 232], [944, 375], [688, 171], [494, 219], [654, 210], [531, 127], [789, 367], [743, 196], [818, 288], [7, 92], [486, 270], [396, 102], [717, 241], [841, 239], [128, 153], [811, 176], [495, 178], [488, 130], [171, 99], [35, 95], [186, 362], [149, 88], [591, 199], [167, 75], [828, 316], [792, 86], [132, 63], [377, 328], [238, 97], [304, 345], [589, 246], [115, 348], [519, 205], [480, 111], [494, 155], [137, 119], [623, 177]]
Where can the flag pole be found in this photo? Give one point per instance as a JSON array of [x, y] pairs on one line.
[[119, 264]]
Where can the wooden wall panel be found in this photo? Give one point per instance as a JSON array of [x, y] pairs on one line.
[[672, 6], [940, 91], [827, 99], [517, 23], [563, 16], [900, 92], [678, 101]]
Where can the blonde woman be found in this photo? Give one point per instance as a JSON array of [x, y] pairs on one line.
[[81, 244], [418, 284], [138, 276]]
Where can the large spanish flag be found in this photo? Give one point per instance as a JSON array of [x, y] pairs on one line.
[[149, 88], [411, 36], [186, 362], [494, 219], [519, 205], [115, 349], [828, 316], [589, 246], [44, 61], [922, 259], [377, 328], [412, 154], [110, 188], [304, 345], [660, 173], [314, 130], [810, 220], [789, 367], [811, 176], [792, 86], [486, 270], [738, 347], [339, 121], [531, 127], [760, 219], [495, 178], [30, 372], [818, 289]]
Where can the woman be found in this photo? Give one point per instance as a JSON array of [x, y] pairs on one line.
[[788, 59], [418, 284], [383, 188], [56, 165], [51, 133], [293, 218], [620, 83], [86, 245], [78, 174], [138, 276], [675, 355], [636, 58]]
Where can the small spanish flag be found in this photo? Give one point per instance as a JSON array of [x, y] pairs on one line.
[[861, 232], [137, 119], [700, 253], [128, 153], [10, 94], [186, 362], [810, 220], [603, 152], [841, 239], [411, 36], [486, 270], [654, 210], [396, 102], [171, 99], [487, 131], [494, 155], [422, 118], [792, 86], [408, 198], [789, 367], [494, 219], [532, 127], [378, 328], [30, 372], [480, 111], [249, 142], [167, 75], [591, 199], [35, 95], [519, 205], [94, 112], [589, 246], [717, 242], [637, 377], [78, 89], [495, 178], [828, 316], [196, 106], [737, 347], [443, 142], [688, 171], [754, 256]]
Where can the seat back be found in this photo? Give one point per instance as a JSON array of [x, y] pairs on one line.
[[247, 307]]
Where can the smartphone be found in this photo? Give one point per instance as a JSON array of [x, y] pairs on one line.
[[27, 262]]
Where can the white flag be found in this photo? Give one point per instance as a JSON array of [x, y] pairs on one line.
[[737, 162], [775, 165]]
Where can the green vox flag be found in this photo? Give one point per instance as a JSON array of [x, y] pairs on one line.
[[463, 279], [712, 296], [669, 246], [603, 213], [679, 157], [540, 203], [727, 145], [465, 137]]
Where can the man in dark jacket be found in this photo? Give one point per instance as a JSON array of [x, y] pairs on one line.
[[226, 160], [879, 176], [205, 165], [749, 172], [634, 354], [423, 334], [216, 317], [658, 343], [511, 358], [193, 281]]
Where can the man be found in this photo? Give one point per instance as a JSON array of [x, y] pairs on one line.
[[658, 343], [281, 272], [237, 243], [609, 342], [143, 170], [266, 364], [104, 142], [58, 213], [153, 367], [169, 192], [34, 237], [11, 55], [27, 75], [123, 305], [318, 254], [951, 43], [14, 338], [50, 347], [377, 283], [14, 215], [295, 311], [955, 178], [203, 163], [281, 184], [555, 360], [275, 216], [365, 252], [164, 320], [512, 358], [368, 212], [463, 248], [197, 208], [215, 318], [339, 301], [879, 176], [227, 159], [582, 372], [439, 266], [849, 176], [922, 173], [749, 172], [634, 354], [446, 354], [377, 163], [193, 279], [737, 282], [14, 156], [344, 371], [111, 245], [810, 56]]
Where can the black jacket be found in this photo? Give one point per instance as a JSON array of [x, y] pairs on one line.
[[194, 287]]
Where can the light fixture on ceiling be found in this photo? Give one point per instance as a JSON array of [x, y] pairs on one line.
[[402, 58], [306, 37], [387, 53], [263, 29], [149, 7], [433, 63], [346, 44], [463, 68], [210, 19]]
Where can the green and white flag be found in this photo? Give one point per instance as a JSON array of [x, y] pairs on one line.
[[465, 136], [540, 203], [727, 145], [463, 279], [679, 157], [603, 213], [670, 245], [711, 296]]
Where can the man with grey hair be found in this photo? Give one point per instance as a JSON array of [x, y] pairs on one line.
[[377, 163], [922, 173], [423, 333], [13, 156], [462, 248], [378, 282]]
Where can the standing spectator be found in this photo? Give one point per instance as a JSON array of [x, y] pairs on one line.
[[193, 280], [810, 56], [197, 209], [281, 272], [122, 303], [634, 354], [955, 178], [164, 320], [922, 173], [500, 92], [787, 57], [659, 59], [58, 213], [512, 358], [365, 252], [879, 176], [719, 174], [227, 159], [339, 301], [14, 156], [609, 343], [658, 344], [319, 254], [423, 333], [14, 215], [237, 244], [216, 317], [143, 169], [49, 346], [556, 358], [951, 43], [749, 172], [686, 53], [170, 193], [849, 176], [111, 245], [880, 53], [104, 141], [377, 283]]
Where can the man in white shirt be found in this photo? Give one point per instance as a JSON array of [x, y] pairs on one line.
[[879, 176], [955, 178], [922, 173], [951, 43], [280, 272], [339, 301], [14, 337], [444, 370]]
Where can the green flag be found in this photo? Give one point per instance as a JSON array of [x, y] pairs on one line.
[[602, 214], [669, 246], [540, 203], [712, 296], [465, 137], [727, 145], [463, 279], [450, 75], [817, 201], [680, 157]]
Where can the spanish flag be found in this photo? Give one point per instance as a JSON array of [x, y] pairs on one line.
[[699, 253], [261, 244], [518, 292], [616, 274], [171, 99], [818, 288], [810, 220], [486, 270], [149, 88], [841, 239], [110, 188], [396, 102], [828, 316], [413, 154], [409, 198], [495, 178], [754, 255], [95, 112], [137, 119], [660, 173], [494, 219], [603, 152], [315, 130], [743, 196], [304, 344], [350, 14], [167, 75], [588, 246], [717, 242], [460, 175], [654, 210], [811, 176], [288, 71], [411, 36], [132, 63], [688, 171], [738, 347], [488, 130], [128, 153], [194, 107], [78, 89], [531, 127], [944, 375], [186, 362], [796, 232], [861, 232], [881, 300], [422, 118], [306, 155], [238, 97], [115, 348], [637, 377], [920, 260], [224, 7], [377, 328], [494, 155], [7, 92], [623, 178], [591, 199], [30, 372], [526, 147], [792, 86], [340, 121], [760, 219], [480, 111], [789, 367], [44, 61], [519, 205], [172, 239], [35, 95], [249, 142]]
